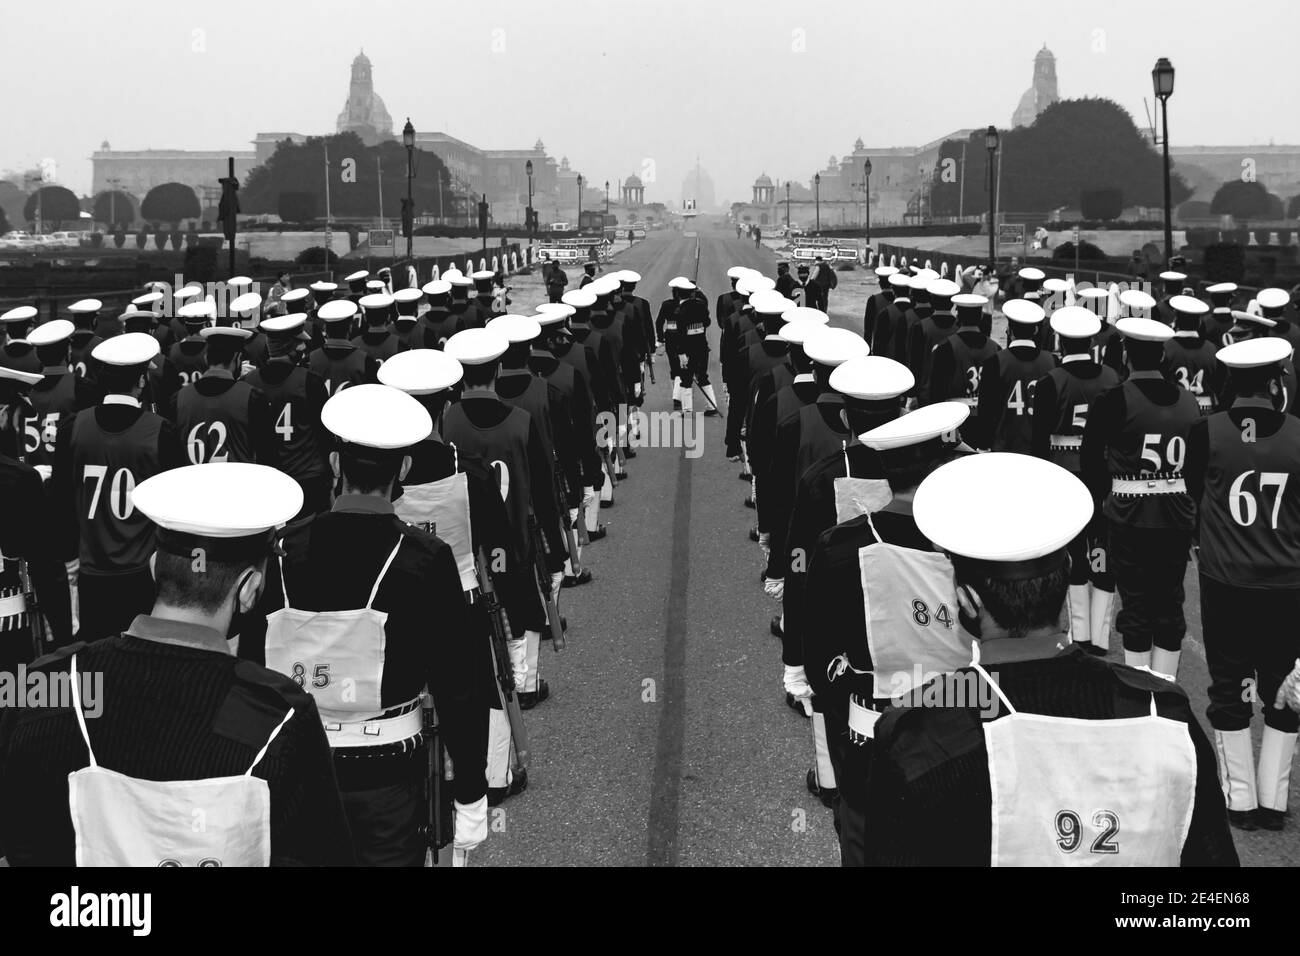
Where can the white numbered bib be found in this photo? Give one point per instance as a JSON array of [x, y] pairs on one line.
[[121, 821], [444, 504], [855, 497], [336, 656], [1071, 792], [913, 632]]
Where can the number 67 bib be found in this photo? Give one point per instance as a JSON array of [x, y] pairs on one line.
[[336, 656], [1071, 792]]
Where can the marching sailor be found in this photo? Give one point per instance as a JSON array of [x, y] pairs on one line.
[[893, 318], [365, 611], [339, 362], [1174, 284], [1243, 464], [220, 416], [1189, 357], [109, 450], [25, 522], [1275, 304], [377, 338], [928, 334], [693, 323], [1061, 402], [406, 302], [295, 396], [1251, 326], [221, 762], [1132, 456], [959, 359], [840, 642], [879, 302], [437, 324], [60, 393], [1007, 380], [1065, 759], [84, 314], [1218, 322], [15, 351]]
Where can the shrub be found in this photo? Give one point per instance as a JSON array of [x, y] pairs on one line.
[[315, 256], [1262, 236], [96, 239], [177, 236], [119, 238], [1087, 252], [1284, 237], [160, 239], [141, 238]]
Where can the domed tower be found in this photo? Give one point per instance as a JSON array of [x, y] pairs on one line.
[[1042, 93], [764, 191], [633, 191], [365, 113]]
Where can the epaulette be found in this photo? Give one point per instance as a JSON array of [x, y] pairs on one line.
[[257, 702], [48, 662], [1144, 679]]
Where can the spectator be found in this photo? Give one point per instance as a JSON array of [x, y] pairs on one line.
[[825, 280], [282, 285], [1137, 267], [556, 280], [758, 237]]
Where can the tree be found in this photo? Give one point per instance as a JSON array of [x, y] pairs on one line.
[[300, 168], [315, 256], [4, 221], [297, 206], [1242, 200], [1073, 146], [55, 204], [170, 203], [1193, 209], [1293, 208], [114, 208], [12, 200], [1103, 204]]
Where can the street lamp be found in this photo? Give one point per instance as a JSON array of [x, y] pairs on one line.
[[866, 189], [991, 144], [607, 198], [1162, 78], [817, 187], [408, 214], [787, 205], [528, 171], [579, 203]]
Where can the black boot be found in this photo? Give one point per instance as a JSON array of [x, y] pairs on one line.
[[530, 699]]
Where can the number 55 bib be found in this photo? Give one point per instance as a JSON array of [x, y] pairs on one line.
[[1071, 792], [337, 656]]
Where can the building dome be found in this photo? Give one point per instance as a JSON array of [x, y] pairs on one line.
[[539, 146], [858, 145], [632, 182], [763, 180], [564, 163]]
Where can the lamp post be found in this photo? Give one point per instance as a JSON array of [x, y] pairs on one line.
[[787, 206], [1162, 78], [408, 214], [866, 189], [607, 198], [113, 185], [579, 203], [528, 171], [991, 144], [817, 196]]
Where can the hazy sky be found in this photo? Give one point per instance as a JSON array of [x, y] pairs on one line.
[[749, 86]]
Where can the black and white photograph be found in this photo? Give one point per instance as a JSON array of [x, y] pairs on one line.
[[653, 434]]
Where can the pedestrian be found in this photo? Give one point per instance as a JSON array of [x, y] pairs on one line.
[[826, 281], [274, 298]]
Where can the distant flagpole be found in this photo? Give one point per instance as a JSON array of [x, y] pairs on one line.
[[329, 235]]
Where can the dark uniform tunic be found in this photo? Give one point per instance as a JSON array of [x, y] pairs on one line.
[[331, 562], [761, 442], [889, 338], [26, 517], [1249, 560], [1061, 403], [57, 396], [108, 451], [435, 327], [82, 343], [1139, 430], [1192, 364], [206, 714], [926, 336], [607, 367], [1216, 327], [930, 795], [955, 371], [667, 332], [693, 325], [836, 625], [876, 307], [1006, 395], [186, 362], [342, 364], [222, 419], [295, 398], [380, 344]]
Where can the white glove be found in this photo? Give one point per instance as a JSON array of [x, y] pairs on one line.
[[471, 824], [45, 471], [765, 542], [518, 648], [246, 369], [796, 682], [1288, 695], [636, 389], [775, 589]]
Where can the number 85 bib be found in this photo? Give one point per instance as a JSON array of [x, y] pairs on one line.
[[336, 656], [1072, 792]]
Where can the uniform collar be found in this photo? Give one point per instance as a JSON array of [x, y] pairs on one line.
[[121, 400], [1077, 357], [1027, 343], [1008, 650], [219, 373], [362, 504], [178, 634], [53, 370]]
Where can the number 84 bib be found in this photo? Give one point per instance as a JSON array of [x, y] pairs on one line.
[[1072, 792]]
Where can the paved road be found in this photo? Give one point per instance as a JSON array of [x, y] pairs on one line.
[[667, 740]]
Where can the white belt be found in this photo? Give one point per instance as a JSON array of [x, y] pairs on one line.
[[694, 331], [862, 719], [1066, 442], [1205, 401], [375, 733], [1152, 486], [13, 605]]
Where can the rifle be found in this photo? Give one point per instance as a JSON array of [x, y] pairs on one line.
[[35, 621], [544, 584], [438, 826], [501, 635], [561, 501]]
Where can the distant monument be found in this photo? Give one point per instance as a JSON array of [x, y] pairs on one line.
[[1041, 94], [364, 112]]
